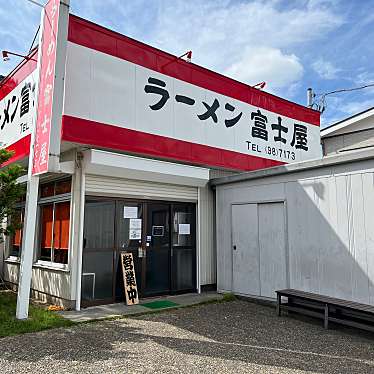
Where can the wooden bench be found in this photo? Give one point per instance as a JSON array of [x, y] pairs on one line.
[[327, 308]]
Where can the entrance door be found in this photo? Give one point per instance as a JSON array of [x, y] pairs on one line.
[[98, 252], [272, 241], [245, 251], [160, 235], [183, 248], [157, 269], [129, 228], [259, 249]]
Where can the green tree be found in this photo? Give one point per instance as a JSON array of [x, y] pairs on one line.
[[10, 191]]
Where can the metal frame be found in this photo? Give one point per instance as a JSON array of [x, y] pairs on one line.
[[144, 203], [328, 309]]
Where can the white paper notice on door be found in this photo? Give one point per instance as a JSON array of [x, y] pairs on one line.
[[135, 234], [135, 224], [130, 212], [184, 229]]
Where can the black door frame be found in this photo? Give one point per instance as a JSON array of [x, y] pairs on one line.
[[116, 250]]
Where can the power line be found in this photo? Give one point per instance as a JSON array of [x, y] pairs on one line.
[[33, 41], [36, 3], [321, 106], [346, 90]]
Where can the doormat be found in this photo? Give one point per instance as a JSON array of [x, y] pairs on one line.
[[159, 304]]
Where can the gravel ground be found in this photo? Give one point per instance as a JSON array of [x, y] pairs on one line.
[[234, 337]]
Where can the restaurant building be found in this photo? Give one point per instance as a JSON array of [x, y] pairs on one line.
[[125, 158]]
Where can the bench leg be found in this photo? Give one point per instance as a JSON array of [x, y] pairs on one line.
[[279, 299], [326, 320]]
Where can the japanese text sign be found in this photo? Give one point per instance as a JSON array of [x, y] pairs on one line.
[[16, 112], [129, 279], [46, 86], [123, 94]]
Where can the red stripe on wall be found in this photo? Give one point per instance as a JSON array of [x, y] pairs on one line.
[[96, 37], [21, 149], [9, 83], [96, 134]]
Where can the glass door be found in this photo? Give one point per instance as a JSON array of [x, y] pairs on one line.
[[98, 252], [129, 238], [157, 264], [160, 235], [183, 250]]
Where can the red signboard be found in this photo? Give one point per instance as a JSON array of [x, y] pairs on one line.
[[46, 86], [123, 95]]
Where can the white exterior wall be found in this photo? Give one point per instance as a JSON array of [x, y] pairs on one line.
[[208, 255], [207, 236], [330, 228], [110, 186], [347, 142], [51, 282]]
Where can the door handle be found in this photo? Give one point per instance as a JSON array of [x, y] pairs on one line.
[[234, 247]]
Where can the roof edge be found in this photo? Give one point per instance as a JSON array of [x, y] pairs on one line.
[[265, 93], [331, 128], [341, 158]]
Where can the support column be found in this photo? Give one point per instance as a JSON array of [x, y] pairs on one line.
[[198, 249], [28, 243], [79, 252]]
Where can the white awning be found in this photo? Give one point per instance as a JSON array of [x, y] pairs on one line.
[[118, 165]]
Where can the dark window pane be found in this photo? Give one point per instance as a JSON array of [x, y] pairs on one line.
[[46, 221], [47, 190], [99, 224], [97, 275], [45, 254], [129, 230], [16, 240], [184, 269], [61, 232], [63, 187], [61, 256], [183, 226]]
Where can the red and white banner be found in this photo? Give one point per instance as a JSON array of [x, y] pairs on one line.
[[122, 94], [17, 109], [46, 86]]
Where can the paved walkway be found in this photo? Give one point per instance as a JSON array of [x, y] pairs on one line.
[[233, 337], [121, 309]]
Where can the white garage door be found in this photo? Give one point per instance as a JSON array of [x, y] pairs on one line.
[[259, 249]]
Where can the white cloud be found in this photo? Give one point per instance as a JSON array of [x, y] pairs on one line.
[[325, 69], [253, 41], [277, 69], [226, 35]]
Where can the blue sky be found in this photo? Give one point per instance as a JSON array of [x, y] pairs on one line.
[[292, 45]]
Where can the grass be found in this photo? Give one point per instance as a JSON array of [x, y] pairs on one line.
[[228, 297], [39, 318]]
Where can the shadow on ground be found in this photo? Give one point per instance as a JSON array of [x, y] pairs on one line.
[[238, 331]]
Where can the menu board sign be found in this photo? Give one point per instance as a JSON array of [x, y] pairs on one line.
[[129, 279]]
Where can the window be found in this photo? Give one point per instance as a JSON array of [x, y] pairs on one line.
[[54, 238], [55, 188], [16, 239], [54, 221]]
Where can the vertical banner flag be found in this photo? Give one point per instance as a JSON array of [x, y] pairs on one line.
[[49, 47], [46, 83]]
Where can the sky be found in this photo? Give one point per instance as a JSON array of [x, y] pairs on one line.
[[291, 45]]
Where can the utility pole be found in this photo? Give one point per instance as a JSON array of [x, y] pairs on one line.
[[309, 97]]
